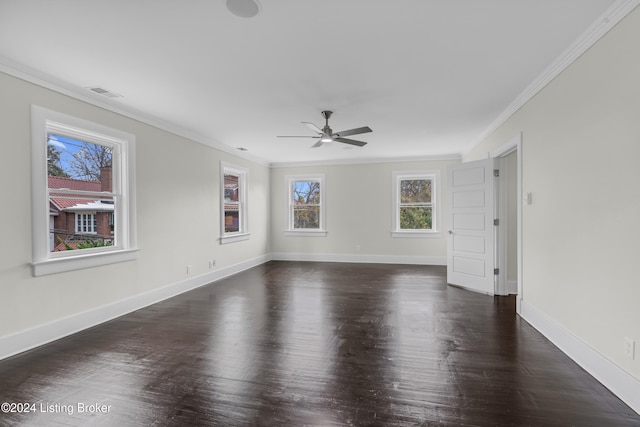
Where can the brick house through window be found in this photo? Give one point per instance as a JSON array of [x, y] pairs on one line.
[[80, 220]]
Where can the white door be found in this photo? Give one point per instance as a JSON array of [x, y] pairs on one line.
[[470, 243]]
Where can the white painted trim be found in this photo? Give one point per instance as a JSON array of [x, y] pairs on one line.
[[365, 259], [47, 81], [79, 262], [589, 37], [290, 230], [232, 238], [123, 145], [243, 211], [515, 144], [361, 161], [417, 234], [305, 233], [617, 380], [501, 230], [512, 287], [396, 178], [608, 20], [43, 334]]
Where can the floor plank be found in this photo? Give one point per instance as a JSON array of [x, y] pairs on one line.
[[317, 344]]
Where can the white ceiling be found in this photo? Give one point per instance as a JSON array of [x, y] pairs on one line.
[[430, 77]]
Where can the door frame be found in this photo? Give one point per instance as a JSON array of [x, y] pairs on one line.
[[513, 144]]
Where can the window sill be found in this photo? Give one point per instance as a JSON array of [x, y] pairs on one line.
[[78, 262], [234, 238], [306, 233], [417, 234]]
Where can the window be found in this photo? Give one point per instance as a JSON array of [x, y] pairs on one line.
[[415, 211], [83, 192], [234, 203], [305, 210], [86, 223]]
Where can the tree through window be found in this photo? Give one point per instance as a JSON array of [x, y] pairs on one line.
[[84, 193], [416, 212], [414, 203], [81, 197], [306, 204]]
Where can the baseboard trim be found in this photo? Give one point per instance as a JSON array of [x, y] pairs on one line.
[[43, 334], [617, 380], [364, 259]]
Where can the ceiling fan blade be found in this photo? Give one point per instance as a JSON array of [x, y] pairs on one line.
[[296, 136], [351, 141], [355, 131], [317, 144], [312, 127]]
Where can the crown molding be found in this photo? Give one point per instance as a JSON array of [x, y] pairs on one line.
[[360, 161], [595, 32], [47, 81]]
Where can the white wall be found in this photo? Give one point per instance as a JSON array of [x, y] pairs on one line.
[[178, 216], [581, 146], [358, 211]]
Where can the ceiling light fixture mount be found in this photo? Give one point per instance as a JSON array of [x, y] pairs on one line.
[[244, 8]]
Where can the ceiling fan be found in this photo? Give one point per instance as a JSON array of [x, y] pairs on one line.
[[327, 135]]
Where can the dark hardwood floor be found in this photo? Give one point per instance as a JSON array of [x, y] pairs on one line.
[[311, 344]]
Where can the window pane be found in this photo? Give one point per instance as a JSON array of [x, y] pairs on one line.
[[81, 165], [415, 218], [306, 217], [231, 185], [415, 191], [306, 192], [231, 220], [80, 223]]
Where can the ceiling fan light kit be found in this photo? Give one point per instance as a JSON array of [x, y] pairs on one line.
[[326, 134]]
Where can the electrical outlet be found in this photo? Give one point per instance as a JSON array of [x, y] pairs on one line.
[[630, 347], [212, 263], [188, 270]]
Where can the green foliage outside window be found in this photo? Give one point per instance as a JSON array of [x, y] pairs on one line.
[[415, 204], [415, 218]]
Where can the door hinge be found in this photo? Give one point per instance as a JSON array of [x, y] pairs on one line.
[[496, 271], [496, 222], [496, 172]]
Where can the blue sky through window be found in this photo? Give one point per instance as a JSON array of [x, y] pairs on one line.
[[67, 148]]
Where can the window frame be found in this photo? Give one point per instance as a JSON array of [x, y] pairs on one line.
[[44, 262], [397, 178], [308, 232], [243, 203]]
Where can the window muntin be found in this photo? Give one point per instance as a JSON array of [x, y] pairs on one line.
[[234, 208], [60, 191], [305, 205], [415, 204]]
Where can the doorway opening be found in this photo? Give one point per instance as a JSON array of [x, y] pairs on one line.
[[508, 208]]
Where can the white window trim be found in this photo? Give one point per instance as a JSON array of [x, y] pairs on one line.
[[300, 232], [243, 184], [398, 176], [45, 262]]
